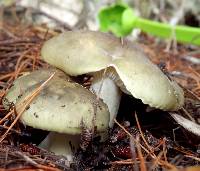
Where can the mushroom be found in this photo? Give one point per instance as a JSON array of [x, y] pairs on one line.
[[118, 64], [61, 107]]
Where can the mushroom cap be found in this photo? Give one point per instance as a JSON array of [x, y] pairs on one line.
[[81, 52], [61, 105]]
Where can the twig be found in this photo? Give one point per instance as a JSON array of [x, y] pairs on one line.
[[188, 114], [193, 157], [13, 130], [19, 40], [27, 159], [142, 135], [140, 156]]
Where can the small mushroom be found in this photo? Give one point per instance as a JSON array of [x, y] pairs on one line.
[[61, 107], [127, 67]]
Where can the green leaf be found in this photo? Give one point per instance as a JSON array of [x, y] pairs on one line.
[[110, 19]]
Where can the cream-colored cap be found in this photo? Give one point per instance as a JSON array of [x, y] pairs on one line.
[[61, 105], [81, 52]]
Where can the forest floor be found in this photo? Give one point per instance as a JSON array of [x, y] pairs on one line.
[[166, 145]]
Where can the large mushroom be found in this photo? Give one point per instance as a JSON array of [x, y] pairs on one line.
[[61, 107], [118, 64]]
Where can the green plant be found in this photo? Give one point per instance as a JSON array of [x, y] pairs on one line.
[[121, 19]]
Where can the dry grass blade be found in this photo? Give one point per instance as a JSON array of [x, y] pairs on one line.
[[188, 114], [7, 116], [6, 76], [33, 163], [13, 130], [142, 135], [128, 161], [156, 161], [165, 150], [193, 157], [39, 168], [140, 156]]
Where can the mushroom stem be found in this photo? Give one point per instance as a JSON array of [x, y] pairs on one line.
[[61, 144], [105, 88]]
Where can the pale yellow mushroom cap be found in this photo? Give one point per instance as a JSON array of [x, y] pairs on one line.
[[82, 52], [61, 105]]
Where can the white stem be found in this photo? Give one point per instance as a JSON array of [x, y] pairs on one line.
[[60, 144], [105, 88]]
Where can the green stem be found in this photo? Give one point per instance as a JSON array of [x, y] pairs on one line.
[[183, 34], [121, 19]]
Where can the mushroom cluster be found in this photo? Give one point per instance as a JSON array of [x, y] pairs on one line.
[[61, 107], [116, 67], [114, 64]]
